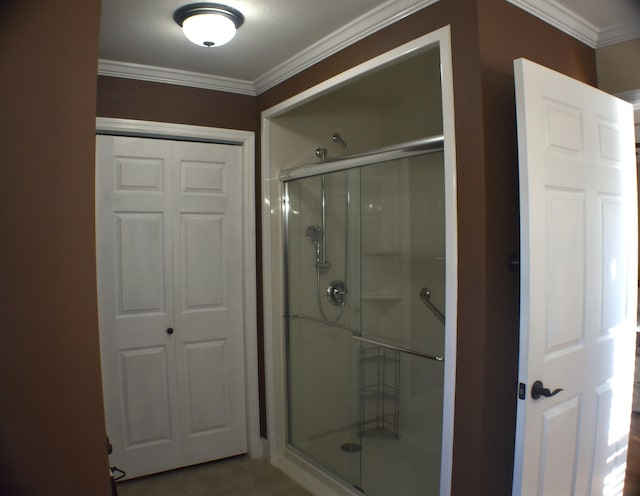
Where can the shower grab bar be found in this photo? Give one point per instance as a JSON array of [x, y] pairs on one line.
[[356, 334], [425, 296], [402, 150], [437, 358]]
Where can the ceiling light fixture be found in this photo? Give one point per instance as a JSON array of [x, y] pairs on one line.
[[208, 24]]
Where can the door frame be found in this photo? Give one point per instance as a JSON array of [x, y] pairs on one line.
[[310, 477], [246, 140]]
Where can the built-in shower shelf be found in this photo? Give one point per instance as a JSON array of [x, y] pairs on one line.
[[381, 297]]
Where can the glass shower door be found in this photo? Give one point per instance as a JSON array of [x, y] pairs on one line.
[[365, 323], [322, 360], [402, 338]]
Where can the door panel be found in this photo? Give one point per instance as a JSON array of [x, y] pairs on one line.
[[578, 284], [141, 263], [559, 441], [147, 407], [565, 300], [208, 399], [202, 261]]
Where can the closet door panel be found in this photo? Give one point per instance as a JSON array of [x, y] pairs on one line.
[[209, 299], [135, 281]]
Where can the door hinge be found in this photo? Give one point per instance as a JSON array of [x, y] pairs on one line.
[[522, 391]]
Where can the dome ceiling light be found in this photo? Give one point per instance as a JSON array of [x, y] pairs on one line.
[[208, 24]]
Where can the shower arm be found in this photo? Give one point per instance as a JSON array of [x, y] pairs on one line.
[[338, 139]]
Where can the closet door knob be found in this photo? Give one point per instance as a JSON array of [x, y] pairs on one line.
[[170, 331]]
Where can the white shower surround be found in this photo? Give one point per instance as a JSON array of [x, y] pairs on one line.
[[272, 252]]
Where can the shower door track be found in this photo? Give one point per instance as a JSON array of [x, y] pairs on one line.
[[357, 335], [403, 150]]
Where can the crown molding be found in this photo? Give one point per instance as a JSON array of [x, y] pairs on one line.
[[569, 22], [173, 76], [358, 29], [626, 31], [562, 18], [375, 20]]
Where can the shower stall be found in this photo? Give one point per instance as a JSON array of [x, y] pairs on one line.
[[364, 300]]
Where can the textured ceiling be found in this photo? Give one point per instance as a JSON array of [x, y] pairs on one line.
[[143, 32], [277, 32]]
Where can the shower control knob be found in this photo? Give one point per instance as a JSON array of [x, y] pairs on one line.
[[337, 293]]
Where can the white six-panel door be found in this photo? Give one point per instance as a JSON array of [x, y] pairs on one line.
[[578, 285], [169, 238]]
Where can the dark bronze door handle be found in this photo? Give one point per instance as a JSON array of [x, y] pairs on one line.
[[538, 390]]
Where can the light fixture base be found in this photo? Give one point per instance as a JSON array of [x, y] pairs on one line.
[[208, 8]]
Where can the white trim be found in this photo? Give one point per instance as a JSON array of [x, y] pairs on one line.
[[134, 127], [141, 72], [356, 30], [246, 140], [451, 263], [309, 477], [567, 21]]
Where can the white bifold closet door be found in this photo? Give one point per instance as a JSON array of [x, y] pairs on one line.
[[169, 256]]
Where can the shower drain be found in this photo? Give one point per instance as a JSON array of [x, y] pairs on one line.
[[351, 447]]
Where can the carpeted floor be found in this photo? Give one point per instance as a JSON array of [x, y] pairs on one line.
[[237, 476]]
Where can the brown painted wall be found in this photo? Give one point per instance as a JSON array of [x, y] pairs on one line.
[[52, 434], [507, 33], [131, 99], [486, 36]]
